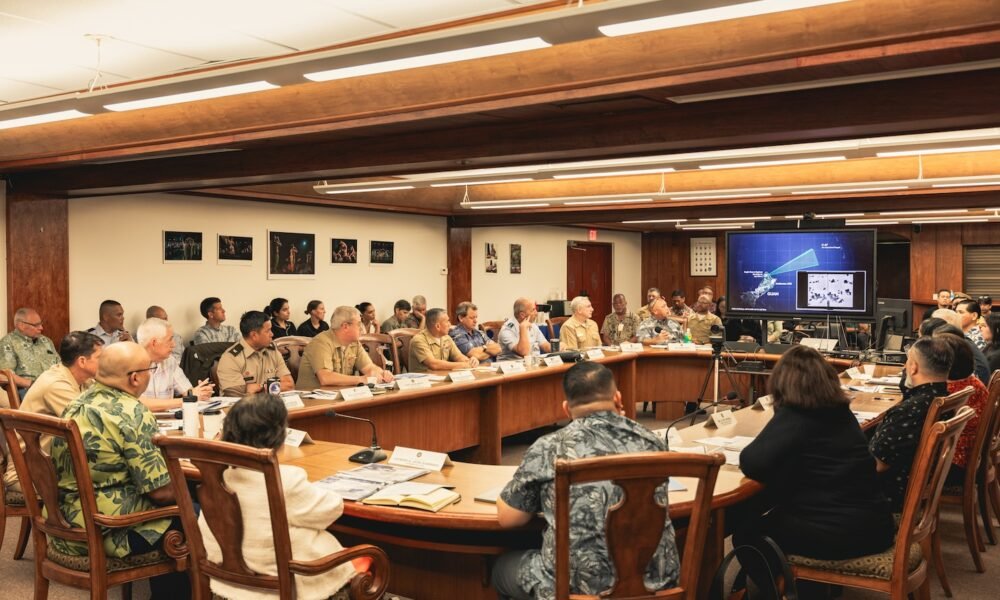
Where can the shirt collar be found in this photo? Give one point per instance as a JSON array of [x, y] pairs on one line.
[[26, 338]]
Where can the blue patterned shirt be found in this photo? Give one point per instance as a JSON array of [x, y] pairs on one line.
[[467, 340]]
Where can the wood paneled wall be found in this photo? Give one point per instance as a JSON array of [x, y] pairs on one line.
[[38, 260], [666, 264], [459, 267]]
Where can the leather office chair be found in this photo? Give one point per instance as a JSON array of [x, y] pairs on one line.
[[902, 569], [221, 510], [402, 337], [95, 571], [555, 323], [628, 524], [292, 347], [377, 345]]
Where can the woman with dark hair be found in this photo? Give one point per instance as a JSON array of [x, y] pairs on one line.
[[369, 322], [261, 421], [962, 375], [279, 312], [821, 498], [315, 325]]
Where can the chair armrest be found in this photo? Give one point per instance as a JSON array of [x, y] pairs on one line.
[[119, 521], [369, 585]]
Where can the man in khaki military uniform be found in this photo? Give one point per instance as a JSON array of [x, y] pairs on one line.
[[652, 295], [25, 351], [433, 349], [701, 322], [579, 331], [245, 367], [333, 357]]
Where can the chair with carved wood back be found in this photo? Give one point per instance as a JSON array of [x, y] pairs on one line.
[[377, 345], [221, 510], [7, 380], [95, 571], [555, 323], [492, 329], [991, 486], [631, 541], [902, 569], [402, 337], [12, 501], [292, 347]]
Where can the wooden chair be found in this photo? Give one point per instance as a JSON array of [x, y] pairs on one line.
[[11, 501], [95, 571], [902, 569], [7, 380], [221, 510], [292, 347], [401, 338], [377, 345], [492, 329], [632, 536], [554, 324]]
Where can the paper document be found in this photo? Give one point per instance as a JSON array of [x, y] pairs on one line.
[[864, 416], [737, 442], [348, 488], [732, 457], [690, 449], [886, 380]]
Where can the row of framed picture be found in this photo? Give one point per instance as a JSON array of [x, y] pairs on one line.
[[492, 259], [288, 254]]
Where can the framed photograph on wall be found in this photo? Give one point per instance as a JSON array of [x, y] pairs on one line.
[[235, 250], [491, 258], [344, 251], [703, 257], [291, 255], [515, 259], [381, 253], [181, 246]]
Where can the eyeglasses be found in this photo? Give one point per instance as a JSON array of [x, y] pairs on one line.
[[148, 369], [38, 324]]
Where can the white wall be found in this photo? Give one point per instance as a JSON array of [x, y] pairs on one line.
[[115, 246], [543, 266], [3, 251]]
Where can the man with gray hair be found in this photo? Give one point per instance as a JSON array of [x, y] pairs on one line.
[[579, 331], [417, 317], [470, 340], [333, 357], [167, 382], [25, 351], [519, 336], [160, 313], [433, 349]]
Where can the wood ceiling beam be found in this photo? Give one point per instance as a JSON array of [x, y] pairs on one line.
[[579, 70]]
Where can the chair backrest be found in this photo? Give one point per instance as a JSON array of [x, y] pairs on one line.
[[991, 445], [944, 408], [197, 360], [376, 345], [7, 380], [402, 337], [920, 506], [986, 430], [291, 347], [36, 471], [555, 323], [631, 536], [492, 329]]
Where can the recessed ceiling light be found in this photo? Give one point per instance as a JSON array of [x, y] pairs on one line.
[[385, 188], [474, 206], [773, 163], [937, 151], [219, 92], [923, 212], [851, 190], [62, 115], [486, 182]]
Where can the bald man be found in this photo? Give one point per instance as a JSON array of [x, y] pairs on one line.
[[519, 336], [128, 470], [111, 323]]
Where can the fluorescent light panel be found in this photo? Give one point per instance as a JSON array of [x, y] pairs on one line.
[[959, 220], [772, 163], [62, 115], [872, 223], [658, 221], [614, 173], [967, 184], [384, 188], [719, 196], [712, 227], [622, 201], [219, 92], [487, 182], [840, 215], [735, 219], [426, 60], [852, 190], [710, 15], [502, 206], [938, 150], [923, 212]]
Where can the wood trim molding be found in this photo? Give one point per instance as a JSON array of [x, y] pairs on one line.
[[459, 267]]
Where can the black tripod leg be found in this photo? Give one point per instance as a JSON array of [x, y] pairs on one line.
[[704, 387], [729, 375]]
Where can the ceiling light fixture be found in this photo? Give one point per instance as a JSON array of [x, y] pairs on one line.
[[920, 151], [923, 212], [840, 215], [959, 220], [967, 184], [773, 163], [713, 227], [735, 219], [485, 182], [385, 188], [219, 92], [426, 60], [870, 222], [796, 217], [475, 206], [621, 201], [62, 115], [852, 190], [657, 221], [710, 15], [614, 173], [720, 196]]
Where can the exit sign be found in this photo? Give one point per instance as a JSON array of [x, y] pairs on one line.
[[592, 234]]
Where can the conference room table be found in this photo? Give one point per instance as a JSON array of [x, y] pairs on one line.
[[448, 554]]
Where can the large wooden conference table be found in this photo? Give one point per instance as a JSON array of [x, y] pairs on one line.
[[448, 554], [477, 415]]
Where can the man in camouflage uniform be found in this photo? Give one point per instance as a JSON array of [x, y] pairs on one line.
[[25, 351], [598, 429], [333, 357]]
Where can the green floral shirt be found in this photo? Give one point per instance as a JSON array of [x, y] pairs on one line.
[[27, 357], [125, 465]]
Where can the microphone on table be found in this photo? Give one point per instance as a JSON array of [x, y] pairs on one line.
[[367, 456]]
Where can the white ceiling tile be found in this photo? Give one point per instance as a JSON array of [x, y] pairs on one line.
[[15, 91], [302, 24], [405, 14]]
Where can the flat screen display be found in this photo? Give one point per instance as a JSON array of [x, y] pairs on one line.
[[811, 273]]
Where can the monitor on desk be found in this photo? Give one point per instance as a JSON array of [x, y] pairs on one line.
[[893, 317]]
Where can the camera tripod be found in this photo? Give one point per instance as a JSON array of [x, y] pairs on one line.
[[712, 373]]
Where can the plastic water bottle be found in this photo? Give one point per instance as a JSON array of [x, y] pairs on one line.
[[190, 414], [687, 336]]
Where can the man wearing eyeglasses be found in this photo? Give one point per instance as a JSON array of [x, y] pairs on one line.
[[25, 351]]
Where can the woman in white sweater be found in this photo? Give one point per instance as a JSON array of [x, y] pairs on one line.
[[260, 421]]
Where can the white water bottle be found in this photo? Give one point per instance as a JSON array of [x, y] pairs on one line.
[[190, 415]]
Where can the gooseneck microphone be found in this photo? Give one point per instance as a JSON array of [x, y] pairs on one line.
[[370, 455]]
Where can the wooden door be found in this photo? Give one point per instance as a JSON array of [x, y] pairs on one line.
[[588, 269]]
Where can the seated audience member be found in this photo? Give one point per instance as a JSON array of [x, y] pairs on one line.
[[111, 323], [985, 306], [166, 381], [25, 351], [737, 330], [935, 325], [894, 444], [700, 324], [315, 325], [652, 294], [579, 331], [432, 349], [400, 313], [598, 428], [261, 421], [968, 314], [658, 329], [157, 312], [519, 336], [679, 310], [993, 352], [963, 375], [821, 497], [245, 367], [708, 291], [943, 301], [416, 318], [213, 330], [333, 357], [959, 297], [470, 340], [621, 325], [369, 322], [774, 330], [279, 312], [127, 469], [59, 385]]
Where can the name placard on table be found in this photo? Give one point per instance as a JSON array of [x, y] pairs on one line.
[[419, 459], [462, 375], [297, 437], [511, 366], [413, 384], [631, 347], [292, 400], [356, 393], [595, 353], [721, 419], [553, 361]]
